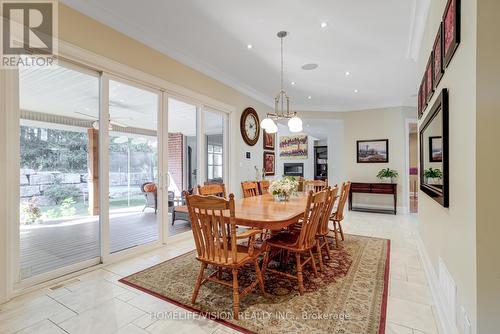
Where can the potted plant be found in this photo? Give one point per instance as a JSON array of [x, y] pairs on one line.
[[387, 175], [433, 175], [283, 188]]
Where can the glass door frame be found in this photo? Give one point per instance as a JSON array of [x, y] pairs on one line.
[[107, 69], [162, 201]]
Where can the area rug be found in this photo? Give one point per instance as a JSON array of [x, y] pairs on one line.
[[349, 297]]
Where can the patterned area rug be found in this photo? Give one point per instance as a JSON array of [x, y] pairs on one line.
[[349, 297]]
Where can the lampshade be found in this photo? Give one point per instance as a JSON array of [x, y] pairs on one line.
[[295, 124], [272, 129], [267, 123]]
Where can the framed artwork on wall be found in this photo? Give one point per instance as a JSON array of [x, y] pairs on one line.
[[269, 163], [437, 51], [372, 151], [269, 140], [451, 30], [293, 147], [435, 148], [420, 108], [429, 78]]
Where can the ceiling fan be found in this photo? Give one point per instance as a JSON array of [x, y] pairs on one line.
[[112, 121]]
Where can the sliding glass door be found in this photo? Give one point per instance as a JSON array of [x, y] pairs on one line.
[[104, 166], [183, 160], [134, 206], [214, 131], [59, 202]]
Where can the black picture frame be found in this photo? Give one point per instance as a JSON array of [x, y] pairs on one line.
[[361, 161], [429, 78], [454, 6], [268, 137], [439, 194], [437, 51], [269, 172], [431, 148]]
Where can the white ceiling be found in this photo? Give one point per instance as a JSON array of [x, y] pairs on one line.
[[68, 92], [376, 41]]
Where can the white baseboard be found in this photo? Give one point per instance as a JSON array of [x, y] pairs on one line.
[[447, 325]]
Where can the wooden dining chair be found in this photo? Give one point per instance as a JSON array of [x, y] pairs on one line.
[[250, 189], [215, 189], [315, 185], [264, 187], [338, 216], [323, 231], [299, 243], [214, 231]]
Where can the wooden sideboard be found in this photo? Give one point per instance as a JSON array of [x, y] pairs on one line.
[[374, 188]]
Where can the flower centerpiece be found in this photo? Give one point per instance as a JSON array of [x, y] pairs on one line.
[[283, 188]]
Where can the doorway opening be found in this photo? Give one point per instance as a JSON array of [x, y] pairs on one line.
[[412, 167]]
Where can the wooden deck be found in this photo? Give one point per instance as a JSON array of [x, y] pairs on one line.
[[48, 247]]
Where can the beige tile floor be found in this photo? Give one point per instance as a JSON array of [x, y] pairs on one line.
[[97, 303]]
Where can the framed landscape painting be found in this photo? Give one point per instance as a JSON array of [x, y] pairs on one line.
[[269, 163], [372, 151], [293, 147], [436, 149], [451, 30], [269, 140]]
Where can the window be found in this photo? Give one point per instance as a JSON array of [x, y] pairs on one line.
[[214, 162]]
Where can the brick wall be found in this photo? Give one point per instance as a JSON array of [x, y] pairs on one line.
[[176, 158]]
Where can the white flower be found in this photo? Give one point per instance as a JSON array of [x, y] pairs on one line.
[[285, 186]]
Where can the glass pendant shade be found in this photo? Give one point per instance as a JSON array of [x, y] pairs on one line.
[[267, 123], [295, 124], [272, 129]]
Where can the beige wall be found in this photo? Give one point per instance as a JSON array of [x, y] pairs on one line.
[[488, 160], [89, 34], [450, 233], [385, 123]]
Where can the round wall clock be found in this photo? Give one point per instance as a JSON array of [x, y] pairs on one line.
[[250, 126]]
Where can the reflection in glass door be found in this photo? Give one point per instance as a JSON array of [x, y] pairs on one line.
[[183, 172], [59, 201], [214, 140], [133, 166]]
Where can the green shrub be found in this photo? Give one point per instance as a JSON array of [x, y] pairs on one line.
[[67, 208], [59, 192]]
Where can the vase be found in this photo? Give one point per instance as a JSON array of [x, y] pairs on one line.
[[281, 198], [386, 180]]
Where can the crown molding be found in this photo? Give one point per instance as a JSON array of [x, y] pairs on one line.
[[418, 19]]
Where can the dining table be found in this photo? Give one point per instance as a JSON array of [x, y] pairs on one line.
[[264, 212]]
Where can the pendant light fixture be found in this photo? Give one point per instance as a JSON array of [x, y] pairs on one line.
[[281, 105]]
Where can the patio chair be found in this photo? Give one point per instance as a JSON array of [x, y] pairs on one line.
[[150, 196]]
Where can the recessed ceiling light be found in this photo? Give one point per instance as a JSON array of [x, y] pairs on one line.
[[309, 97], [293, 83], [309, 67], [324, 24], [347, 73], [249, 46], [355, 91]]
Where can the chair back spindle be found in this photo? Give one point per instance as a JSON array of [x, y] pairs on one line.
[[325, 217], [315, 206], [344, 194], [214, 228]]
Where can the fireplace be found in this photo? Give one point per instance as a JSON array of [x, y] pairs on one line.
[[293, 169]]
